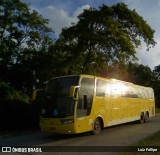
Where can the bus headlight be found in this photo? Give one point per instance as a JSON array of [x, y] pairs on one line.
[[67, 121]]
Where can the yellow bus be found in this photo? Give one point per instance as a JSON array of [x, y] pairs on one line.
[[82, 103]]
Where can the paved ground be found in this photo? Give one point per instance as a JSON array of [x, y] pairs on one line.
[[111, 138]]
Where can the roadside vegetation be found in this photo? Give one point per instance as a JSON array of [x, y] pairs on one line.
[[152, 141], [16, 109], [103, 42], [157, 110]]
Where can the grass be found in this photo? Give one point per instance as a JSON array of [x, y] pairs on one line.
[[151, 142], [157, 110]]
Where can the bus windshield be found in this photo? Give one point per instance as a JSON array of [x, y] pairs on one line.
[[57, 103]]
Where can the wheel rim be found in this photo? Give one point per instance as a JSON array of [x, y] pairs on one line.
[[142, 118], [146, 117], [97, 127]]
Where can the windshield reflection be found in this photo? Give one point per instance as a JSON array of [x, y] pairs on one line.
[[57, 103]]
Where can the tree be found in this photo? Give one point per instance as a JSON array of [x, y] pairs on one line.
[[140, 74], [157, 71], [116, 70], [23, 36], [104, 36], [156, 84], [20, 28]]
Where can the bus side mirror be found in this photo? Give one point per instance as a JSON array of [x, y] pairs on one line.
[[73, 91], [36, 94]]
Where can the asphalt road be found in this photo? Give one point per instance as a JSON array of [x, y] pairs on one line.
[[109, 140]]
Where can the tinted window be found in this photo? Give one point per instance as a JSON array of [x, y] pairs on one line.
[[151, 94], [116, 89], [100, 88], [57, 103], [85, 97]]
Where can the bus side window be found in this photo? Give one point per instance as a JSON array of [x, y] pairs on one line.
[[118, 89], [127, 92], [138, 92], [151, 94], [146, 93], [134, 92], [85, 97], [142, 93], [100, 88], [107, 89]]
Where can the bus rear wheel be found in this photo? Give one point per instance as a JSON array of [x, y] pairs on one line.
[[142, 118], [146, 117], [97, 127]]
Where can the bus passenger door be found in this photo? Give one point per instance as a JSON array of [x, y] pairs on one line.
[[85, 99]]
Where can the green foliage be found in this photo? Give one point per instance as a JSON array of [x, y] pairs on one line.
[[156, 84], [116, 70], [9, 94], [23, 36], [157, 71], [104, 36], [20, 28], [16, 110], [24, 43], [140, 74]]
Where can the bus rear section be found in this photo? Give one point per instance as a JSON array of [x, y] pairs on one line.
[[123, 102]]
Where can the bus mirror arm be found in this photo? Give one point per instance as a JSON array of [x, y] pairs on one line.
[[73, 92], [37, 92]]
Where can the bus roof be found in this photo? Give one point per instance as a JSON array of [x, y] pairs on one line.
[[103, 78]]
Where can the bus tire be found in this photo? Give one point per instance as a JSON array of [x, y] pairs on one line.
[[146, 117], [142, 118], [97, 127]]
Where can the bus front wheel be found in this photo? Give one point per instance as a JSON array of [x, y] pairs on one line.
[[97, 127]]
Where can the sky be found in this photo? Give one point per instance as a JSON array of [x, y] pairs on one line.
[[62, 13]]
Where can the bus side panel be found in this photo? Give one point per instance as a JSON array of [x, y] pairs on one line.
[[99, 109], [84, 124], [122, 111]]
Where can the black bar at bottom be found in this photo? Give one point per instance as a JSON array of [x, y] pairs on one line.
[[101, 149], [82, 148]]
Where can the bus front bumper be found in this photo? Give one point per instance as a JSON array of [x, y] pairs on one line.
[[49, 125]]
